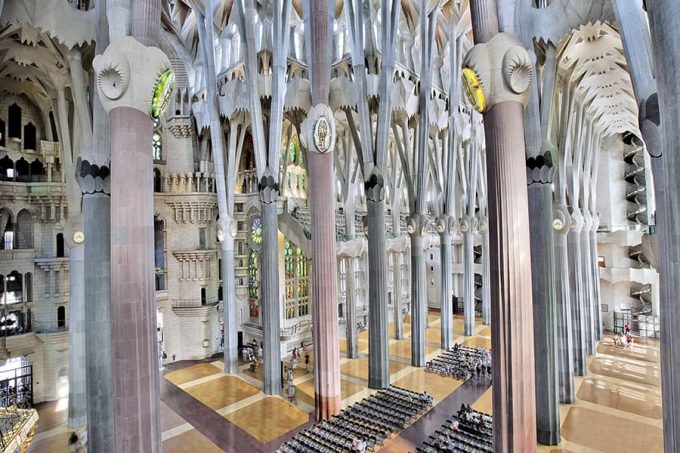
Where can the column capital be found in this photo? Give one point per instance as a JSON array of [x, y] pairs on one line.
[[130, 74], [468, 224], [445, 224], [375, 186], [540, 168], [561, 218], [93, 178], [268, 188], [577, 220], [416, 224], [499, 70]]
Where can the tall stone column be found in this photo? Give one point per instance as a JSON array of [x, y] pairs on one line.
[[486, 274], [417, 228], [378, 361], [597, 309], [664, 23], [512, 347], [320, 137], [396, 291], [563, 301], [77, 400], [589, 299], [576, 279], [445, 300], [269, 262], [543, 294], [98, 353], [127, 76], [229, 299], [351, 301], [468, 276]]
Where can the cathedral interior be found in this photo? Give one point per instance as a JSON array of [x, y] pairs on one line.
[[339, 226]]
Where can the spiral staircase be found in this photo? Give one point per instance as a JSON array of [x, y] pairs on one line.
[[636, 192]]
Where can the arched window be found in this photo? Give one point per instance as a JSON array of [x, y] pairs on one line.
[[37, 171], [21, 169], [6, 169], [61, 317], [24, 230], [15, 286], [156, 140], [157, 182], [6, 230], [29, 137], [60, 245], [14, 118]]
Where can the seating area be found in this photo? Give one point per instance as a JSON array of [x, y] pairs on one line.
[[461, 362], [468, 431], [363, 426]]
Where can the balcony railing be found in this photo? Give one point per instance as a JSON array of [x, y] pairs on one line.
[[194, 303]]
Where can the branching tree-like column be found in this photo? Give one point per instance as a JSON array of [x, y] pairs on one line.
[[445, 224], [504, 67], [319, 135], [267, 163], [134, 82], [93, 176], [373, 158], [467, 226], [664, 23], [543, 279], [417, 222], [540, 192], [77, 395], [226, 224]]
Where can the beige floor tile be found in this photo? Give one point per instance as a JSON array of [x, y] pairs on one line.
[[190, 442], [358, 368], [630, 370], [191, 373], [634, 398], [484, 403], [222, 392], [268, 418], [609, 433], [438, 386]]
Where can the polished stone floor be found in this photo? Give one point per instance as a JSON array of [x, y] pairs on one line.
[[618, 407]]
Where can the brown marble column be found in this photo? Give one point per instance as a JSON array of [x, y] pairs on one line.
[[322, 199], [511, 294], [133, 303]]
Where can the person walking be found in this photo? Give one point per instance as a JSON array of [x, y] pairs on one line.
[[307, 361]]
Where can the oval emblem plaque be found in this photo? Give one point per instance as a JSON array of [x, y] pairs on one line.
[[322, 135]]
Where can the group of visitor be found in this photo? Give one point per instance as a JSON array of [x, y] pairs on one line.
[[462, 363], [364, 425], [253, 355], [468, 431]]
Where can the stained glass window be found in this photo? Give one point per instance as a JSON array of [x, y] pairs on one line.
[[255, 233], [156, 141], [254, 284]]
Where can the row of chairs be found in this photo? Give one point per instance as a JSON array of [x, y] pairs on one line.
[[364, 426], [461, 362], [468, 431]]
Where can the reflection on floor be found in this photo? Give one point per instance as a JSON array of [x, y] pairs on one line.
[[618, 407], [618, 404]]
